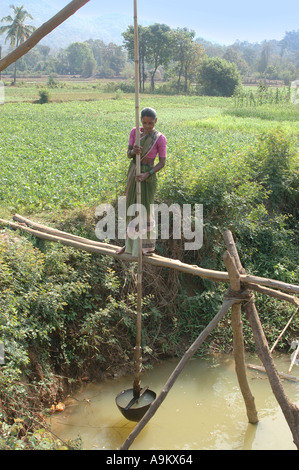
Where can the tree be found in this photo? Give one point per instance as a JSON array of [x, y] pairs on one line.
[[17, 31], [217, 77], [80, 58], [41, 32], [187, 55], [114, 57], [231, 55], [159, 48], [264, 59], [290, 42], [143, 37]]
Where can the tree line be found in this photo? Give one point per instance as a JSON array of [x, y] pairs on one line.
[[174, 55]]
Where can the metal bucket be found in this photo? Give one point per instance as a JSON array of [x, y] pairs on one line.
[[138, 410]]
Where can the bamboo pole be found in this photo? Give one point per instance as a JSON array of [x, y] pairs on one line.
[[282, 332], [41, 32], [173, 377], [138, 351], [154, 259], [238, 341]]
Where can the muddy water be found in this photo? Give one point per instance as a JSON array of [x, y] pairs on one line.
[[203, 410]]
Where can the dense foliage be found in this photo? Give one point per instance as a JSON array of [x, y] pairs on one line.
[[67, 315]]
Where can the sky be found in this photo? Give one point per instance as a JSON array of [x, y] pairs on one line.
[[219, 21]]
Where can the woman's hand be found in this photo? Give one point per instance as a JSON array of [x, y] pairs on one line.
[[136, 150], [142, 176]]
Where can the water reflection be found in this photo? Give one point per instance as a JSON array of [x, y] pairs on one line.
[[203, 410]]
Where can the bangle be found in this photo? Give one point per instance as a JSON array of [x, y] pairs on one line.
[[151, 171]]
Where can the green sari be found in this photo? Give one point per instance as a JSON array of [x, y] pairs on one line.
[[148, 188]]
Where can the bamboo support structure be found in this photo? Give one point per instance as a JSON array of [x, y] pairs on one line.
[[290, 410], [253, 282], [91, 246]]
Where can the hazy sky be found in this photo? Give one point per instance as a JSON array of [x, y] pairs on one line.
[[222, 21]]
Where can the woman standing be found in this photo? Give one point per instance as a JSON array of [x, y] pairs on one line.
[[152, 144]]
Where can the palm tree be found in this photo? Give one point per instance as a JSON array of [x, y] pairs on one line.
[[17, 30]]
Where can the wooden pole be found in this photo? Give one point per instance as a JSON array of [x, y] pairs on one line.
[[238, 341], [138, 352], [91, 246], [281, 334], [188, 354]]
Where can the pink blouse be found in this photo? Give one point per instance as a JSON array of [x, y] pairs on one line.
[[158, 149]]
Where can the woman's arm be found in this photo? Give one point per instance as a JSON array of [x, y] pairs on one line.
[[155, 169]]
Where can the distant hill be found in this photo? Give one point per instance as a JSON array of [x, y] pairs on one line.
[[108, 28]]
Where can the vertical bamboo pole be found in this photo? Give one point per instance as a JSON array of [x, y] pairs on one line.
[[239, 351], [137, 352]]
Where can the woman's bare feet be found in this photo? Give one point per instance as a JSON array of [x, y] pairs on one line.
[[121, 250], [146, 252]]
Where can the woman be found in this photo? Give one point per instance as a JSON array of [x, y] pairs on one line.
[[152, 143]]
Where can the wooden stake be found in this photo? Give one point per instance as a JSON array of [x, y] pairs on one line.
[[238, 339]]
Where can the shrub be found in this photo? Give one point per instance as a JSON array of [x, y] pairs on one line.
[[44, 96], [217, 77], [275, 164]]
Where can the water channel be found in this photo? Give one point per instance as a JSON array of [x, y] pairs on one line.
[[204, 410]]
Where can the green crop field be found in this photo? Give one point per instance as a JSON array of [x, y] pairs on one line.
[[63, 155]]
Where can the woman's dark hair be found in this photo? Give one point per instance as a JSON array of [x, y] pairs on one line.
[[149, 112]]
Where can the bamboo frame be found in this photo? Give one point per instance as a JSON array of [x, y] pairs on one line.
[[91, 246], [290, 410]]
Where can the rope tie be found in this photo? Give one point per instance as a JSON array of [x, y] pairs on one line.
[[240, 296]]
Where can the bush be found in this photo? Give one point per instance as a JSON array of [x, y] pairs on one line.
[[217, 77], [275, 162], [44, 96]]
